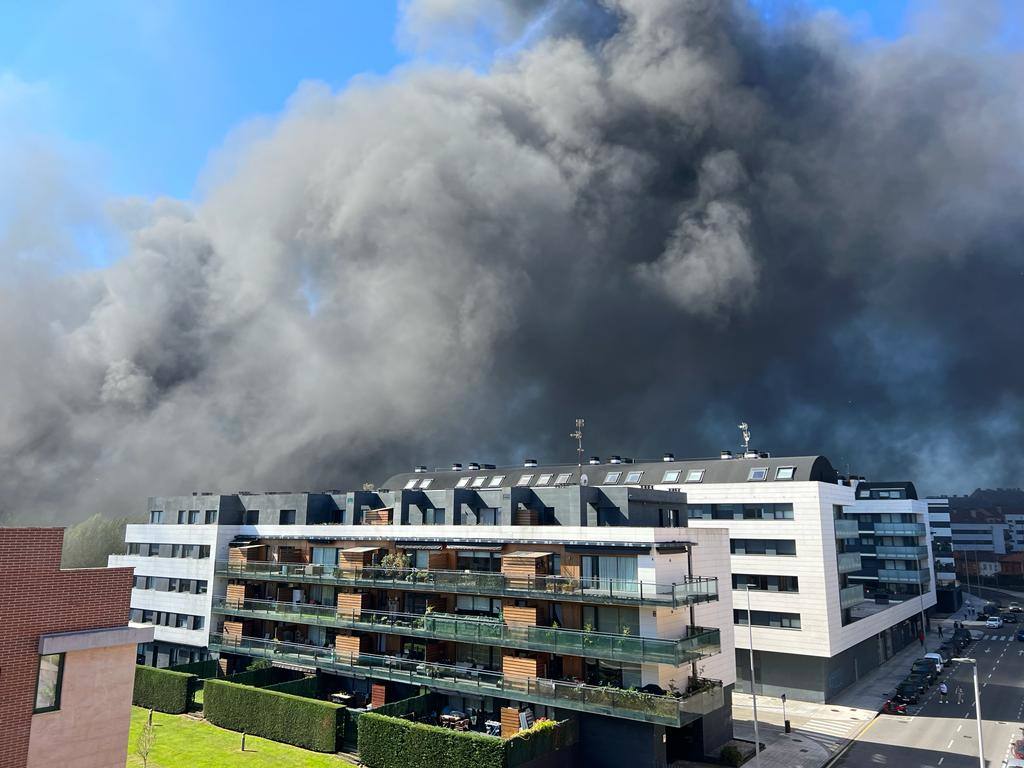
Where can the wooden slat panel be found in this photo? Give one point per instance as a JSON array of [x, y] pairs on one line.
[[572, 666], [378, 695], [441, 561], [519, 616], [233, 629], [571, 563], [519, 666], [350, 603], [525, 517], [572, 615], [509, 722], [348, 644], [235, 594], [377, 517]]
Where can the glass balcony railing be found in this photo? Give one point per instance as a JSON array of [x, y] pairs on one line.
[[896, 529], [849, 562], [902, 553], [911, 576], [697, 643], [846, 529], [703, 698], [563, 588], [851, 596]]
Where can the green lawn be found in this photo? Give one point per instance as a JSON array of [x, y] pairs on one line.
[[181, 742]]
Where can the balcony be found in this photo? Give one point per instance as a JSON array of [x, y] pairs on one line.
[[902, 553], [698, 642], [849, 562], [603, 700], [851, 596], [896, 529], [910, 576], [846, 529], [562, 588]]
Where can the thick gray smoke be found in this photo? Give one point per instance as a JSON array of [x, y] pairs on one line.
[[664, 216]]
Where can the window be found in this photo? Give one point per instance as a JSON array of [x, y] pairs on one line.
[[48, 682], [740, 511], [478, 482], [426, 483], [252, 517], [672, 476], [765, 583], [785, 473], [758, 473], [133, 548], [181, 621], [201, 586], [543, 479], [563, 478], [611, 477], [204, 551], [496, 481], [772, 547], [181, 517], [211, 516], [155, 516], [608, 572], [325, 556], [774, 619], [694, 476], [472, 604], [172, 585], [177, 550], [524, 480], [634, 477], [463, 481], [193, 517], [411, 484], [287, 517]]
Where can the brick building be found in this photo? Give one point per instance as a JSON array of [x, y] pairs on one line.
[[67, 656]]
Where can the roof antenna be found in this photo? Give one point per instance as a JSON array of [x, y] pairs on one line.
[[745, 431], [578, 437]]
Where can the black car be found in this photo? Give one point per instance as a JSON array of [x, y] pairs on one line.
[[923, 682], [1009, 618], [907, 693], [928, 673], [1020, 634]]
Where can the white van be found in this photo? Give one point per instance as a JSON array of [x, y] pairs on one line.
[[937, 658]]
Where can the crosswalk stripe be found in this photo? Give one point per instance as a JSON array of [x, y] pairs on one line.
[[830, 727]]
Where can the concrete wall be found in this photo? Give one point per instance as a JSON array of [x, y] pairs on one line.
[[90, 730]]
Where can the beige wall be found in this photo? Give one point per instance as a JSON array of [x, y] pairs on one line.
[[90, 730]]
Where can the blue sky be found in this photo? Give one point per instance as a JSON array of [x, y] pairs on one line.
[[148, 89]]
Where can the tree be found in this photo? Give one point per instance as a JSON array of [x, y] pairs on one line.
[[87, 544], [144, 743]]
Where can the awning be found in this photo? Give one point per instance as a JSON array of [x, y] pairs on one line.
[[475, 548], [249, 546], [358, 550], [597, 549], [418, 545], [528, 555]]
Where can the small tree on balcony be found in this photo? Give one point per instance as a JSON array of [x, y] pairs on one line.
[[394, 562]]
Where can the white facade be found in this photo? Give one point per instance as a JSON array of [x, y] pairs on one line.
[[979, 536], [942, 541]]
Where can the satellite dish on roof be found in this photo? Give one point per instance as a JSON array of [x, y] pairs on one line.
[[584, 480]]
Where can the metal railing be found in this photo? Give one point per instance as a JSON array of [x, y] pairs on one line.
[[704, 698], [564, 588], [698, 642], [851, 596], [849, 562], [895, 529], [901, 553], [913, 576], [846, 529]]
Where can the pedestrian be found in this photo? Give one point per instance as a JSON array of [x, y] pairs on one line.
[[940, 633], [943, 690]]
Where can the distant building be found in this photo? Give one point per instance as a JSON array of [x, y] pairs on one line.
[[970, 565], [1012, 565], [979, 530], [67, 656]]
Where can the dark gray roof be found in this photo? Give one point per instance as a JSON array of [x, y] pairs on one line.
[[716, 470]]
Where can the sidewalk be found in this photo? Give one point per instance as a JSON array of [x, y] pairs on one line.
[[819, 731]]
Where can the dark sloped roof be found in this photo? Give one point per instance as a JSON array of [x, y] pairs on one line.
[[736, 470]]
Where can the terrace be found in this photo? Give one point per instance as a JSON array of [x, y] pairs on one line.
[[703, 697]]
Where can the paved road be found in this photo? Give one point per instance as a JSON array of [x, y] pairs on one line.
[[944, 735]]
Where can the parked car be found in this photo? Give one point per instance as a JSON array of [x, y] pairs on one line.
[[926, 669], [939, 660], [982, 616], [923, 682], [992, 606], [993, 622], [1015, 607], [894, 707], [947, 651], [907, 693], [1018, 749], [1020, 634], [1009, 618]]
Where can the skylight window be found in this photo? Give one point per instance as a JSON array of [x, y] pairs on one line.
[[785, 473], [478, 482], [696, 476], [758, 473], [563, 478], [426, 483], [543, 479], [496, 481], [634, 477], [672, 476], [463, 482], [411, 484], [611, 477], [524, 480]]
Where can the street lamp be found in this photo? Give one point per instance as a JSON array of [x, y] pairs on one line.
[[753, 686], [977, 707]]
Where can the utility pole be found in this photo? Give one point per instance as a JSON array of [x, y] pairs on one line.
[[578, 437], [977, 708]]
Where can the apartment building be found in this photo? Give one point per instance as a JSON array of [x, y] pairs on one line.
[[979, 530], [67, 656], [505, 590]]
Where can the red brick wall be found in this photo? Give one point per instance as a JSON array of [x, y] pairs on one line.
[[37, 598]]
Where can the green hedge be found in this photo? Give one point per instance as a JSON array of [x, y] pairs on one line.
[[307, 687], [201, 669], [261, 678], [162, 689], [546, 736], [415, 705], [389, 742], [308, 723]]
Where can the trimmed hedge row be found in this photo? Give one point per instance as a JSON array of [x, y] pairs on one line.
[[201, 669], [389, 742], [307, 687], [162, 689], [308, 723], [415, 705], [264, 676], [546, 736]]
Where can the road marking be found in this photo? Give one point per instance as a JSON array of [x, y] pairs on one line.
[[941, 759], [950, 744], [960, 726]]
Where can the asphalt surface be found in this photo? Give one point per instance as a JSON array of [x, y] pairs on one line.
[[934, 734]]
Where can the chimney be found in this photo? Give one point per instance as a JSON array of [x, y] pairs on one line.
[[473, 466], [595, 460], [456, 467], [421, 468], [615, 460], [529, 462], [726, 454], [669, 457]]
